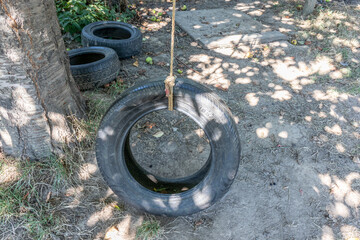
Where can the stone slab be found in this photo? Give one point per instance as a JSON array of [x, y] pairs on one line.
[[224, 28]]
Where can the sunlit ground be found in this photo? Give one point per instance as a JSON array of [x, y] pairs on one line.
[[297, 109]]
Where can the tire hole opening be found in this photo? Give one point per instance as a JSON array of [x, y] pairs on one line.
[[86, 58], [113, 33], [170, 150]]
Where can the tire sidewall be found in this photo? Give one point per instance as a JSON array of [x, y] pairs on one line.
[[107, 52], [209, 113], [88, 31]]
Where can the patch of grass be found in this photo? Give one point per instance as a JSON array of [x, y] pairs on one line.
[[28, 202], [116, 88], [333, 32], [354, 90], [321, 78], [85, 129], [97, 104], [149, 230]]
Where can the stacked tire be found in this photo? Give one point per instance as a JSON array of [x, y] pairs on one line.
[[93, 67], [104, 44], [124, 38]]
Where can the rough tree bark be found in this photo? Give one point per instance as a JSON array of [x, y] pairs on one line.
[[122, 4], [37, 92], [309, 7]]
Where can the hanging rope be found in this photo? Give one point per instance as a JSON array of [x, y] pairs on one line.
[[170, 80]]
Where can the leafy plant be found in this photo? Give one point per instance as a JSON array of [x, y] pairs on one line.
[[149, 230], [75, 14]]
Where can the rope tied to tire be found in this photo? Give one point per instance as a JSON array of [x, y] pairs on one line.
[[140, 187], [170, 80]]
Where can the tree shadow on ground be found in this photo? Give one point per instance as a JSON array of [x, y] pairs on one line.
[[300, 171]]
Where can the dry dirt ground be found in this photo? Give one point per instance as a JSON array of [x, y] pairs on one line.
[[298, 121]]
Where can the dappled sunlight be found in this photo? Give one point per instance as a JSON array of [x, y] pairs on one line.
[[245, 80], [107, 131], [202, 197], [8, 171], [124, 230], [76, 194], [340, 148], [329, 95], [327, 233], [103, 215], [335, 129], [6, 137], [252, 99], [279, 133], [346, 200], [175, 202], [300, 164], [281, 95], [334, 113], [297, 73], [262, 132], [283, 134], [350, 232], [338, 209], [87, 170], [159, 202]]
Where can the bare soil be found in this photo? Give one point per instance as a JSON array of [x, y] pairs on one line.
[[299, 129]]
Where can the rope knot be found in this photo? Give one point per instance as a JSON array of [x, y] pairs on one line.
[[169, 90]]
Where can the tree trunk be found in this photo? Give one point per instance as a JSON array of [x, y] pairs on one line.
[[309, 7], [123, 5], [37, 92]]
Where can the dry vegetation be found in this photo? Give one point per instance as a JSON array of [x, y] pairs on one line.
[[37, 199], [332, 32]]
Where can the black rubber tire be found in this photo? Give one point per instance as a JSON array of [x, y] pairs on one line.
[[133, 184], [93, 67], [128, 40]]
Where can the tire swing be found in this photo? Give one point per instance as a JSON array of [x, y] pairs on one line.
[[134, 184]]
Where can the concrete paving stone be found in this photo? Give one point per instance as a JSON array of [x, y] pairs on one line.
[[224, 28]]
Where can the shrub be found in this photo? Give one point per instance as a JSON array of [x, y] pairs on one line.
[[75, 14]]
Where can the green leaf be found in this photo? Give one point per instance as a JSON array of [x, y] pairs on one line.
[[77, 26], [149, 60]]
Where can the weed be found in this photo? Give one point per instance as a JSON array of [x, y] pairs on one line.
[[354, 90], [75, 14], [29, 197], [149, 230], [117, 88], [85, 129]]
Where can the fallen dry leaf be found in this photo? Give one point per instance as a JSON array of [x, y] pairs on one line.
[[150, 125], [162, 64], [249, 55], [136, 63], [199, 222], [159, 134], [221, 87]]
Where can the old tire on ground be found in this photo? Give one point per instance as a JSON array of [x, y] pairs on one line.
[[93, 67], [133, 184], [124, 38]]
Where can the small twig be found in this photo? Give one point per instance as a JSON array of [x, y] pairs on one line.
[[180, 121], [187, 66]]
